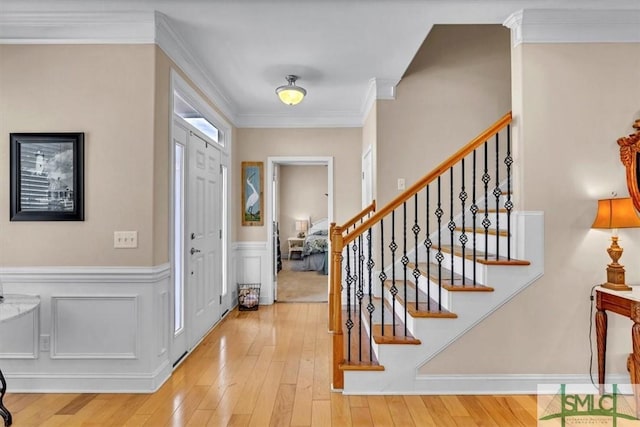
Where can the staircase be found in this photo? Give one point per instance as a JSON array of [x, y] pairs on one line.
[[453, 250]]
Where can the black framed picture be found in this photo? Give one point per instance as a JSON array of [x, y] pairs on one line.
[[47, 176]]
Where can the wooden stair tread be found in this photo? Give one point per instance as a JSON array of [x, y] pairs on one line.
[[389, 334], [357, 347], [482, 211], [457, 286], [490, 231], [425, 309], [457, 251]]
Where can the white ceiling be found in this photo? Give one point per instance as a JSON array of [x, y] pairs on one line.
[[246, 47]]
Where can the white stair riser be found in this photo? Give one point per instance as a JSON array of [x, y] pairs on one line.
[[402, 362]]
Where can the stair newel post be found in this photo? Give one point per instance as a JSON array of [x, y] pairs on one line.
[[337, 245], [508, 160], [331, 276]]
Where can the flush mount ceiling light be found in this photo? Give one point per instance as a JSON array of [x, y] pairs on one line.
[[291, 94]]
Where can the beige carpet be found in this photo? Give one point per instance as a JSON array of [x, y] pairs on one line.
[[301, 286]]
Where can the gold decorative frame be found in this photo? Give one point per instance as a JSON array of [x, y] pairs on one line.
[[630, 158], [252, 193]]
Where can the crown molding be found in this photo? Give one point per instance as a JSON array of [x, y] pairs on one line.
[[178, 50], [336, 119], [77, 28], [112, 28], [377, 89], [156, 28], [574, 26]]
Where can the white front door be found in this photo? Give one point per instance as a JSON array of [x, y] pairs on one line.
[[203, 248]]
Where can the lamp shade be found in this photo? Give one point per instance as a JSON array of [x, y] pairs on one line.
[[301, 226], [616, 213], [291, 94]]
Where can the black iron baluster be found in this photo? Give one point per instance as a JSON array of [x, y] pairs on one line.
[[405, 261], [452, 224], [474, 211], [486, 222], [394, 289], [463, 237], [360, 294], [508, 204], [428, 243], [497, 192], [416, 230], [439, 256], [370, 306], [383, 275], [349, 322]]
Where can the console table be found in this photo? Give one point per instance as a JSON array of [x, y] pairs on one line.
[[624, 303], [13, 306]]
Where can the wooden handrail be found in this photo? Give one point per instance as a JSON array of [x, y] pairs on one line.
[[359, 216], [428, 178]]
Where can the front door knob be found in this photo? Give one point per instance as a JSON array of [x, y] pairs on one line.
[[194, 251]]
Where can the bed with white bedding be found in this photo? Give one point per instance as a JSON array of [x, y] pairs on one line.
[[315, 248]]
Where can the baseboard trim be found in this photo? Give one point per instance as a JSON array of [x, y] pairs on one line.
[[495, 384], [88, 383]]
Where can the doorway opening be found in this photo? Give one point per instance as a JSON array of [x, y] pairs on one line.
[[300, 211]]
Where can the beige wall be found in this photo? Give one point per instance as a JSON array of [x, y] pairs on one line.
[[457, 85], [107, 92], [571, 103], [343, 144], [302, 197]]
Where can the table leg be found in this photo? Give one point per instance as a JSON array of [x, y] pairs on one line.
[[4, 412], [601, 339], [635, 365]]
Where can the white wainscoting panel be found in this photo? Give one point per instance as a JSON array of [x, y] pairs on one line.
[[19, 337], [162, 320], [95, 327], [108, 329], [253, 266]]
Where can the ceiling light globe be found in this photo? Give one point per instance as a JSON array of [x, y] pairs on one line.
[[291, 94]]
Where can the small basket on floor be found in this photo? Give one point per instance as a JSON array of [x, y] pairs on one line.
[[248, 296]]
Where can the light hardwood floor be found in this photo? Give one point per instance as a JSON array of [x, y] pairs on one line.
[[266, 368]]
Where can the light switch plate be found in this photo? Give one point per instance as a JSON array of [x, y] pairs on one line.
[[125, 239], [400, 183]]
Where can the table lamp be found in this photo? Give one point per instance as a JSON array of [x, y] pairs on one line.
[[301, 227], [613, 214]]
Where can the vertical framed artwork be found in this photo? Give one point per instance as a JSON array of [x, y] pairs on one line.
[[47, 176], [252, 193]]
